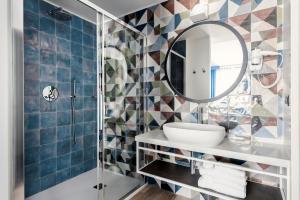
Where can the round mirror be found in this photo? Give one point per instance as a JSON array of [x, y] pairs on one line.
[[206, 61], [50, 93]]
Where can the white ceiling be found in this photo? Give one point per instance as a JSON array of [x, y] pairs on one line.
[[120, 8]]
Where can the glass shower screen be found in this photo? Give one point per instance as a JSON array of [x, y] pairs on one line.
[[120, 107]]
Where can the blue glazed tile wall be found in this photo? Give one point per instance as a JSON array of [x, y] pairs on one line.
[[55, 53]]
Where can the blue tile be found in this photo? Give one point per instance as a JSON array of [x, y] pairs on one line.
[[47, 151], [63, 74], [63, 46], [79, 88], [88, 27], [90, 103], [76, 22], [47, 25], [64, 89], [32, 172], [63, 31], [31, 104], [44, 84], [95, 66], [89, 153], [78, 116], [87, 65], [32, 155], [76, 49], [88, 52], [31, 37], [48, 120], [31, 55], [48, 136], [90, 90], [76, 62], [45, 7], [31, 71], [32, 187], [46, 106], [63, 132], [31, 20], [87, 40], [63, 103], [89, 141], [48, 181], [90, 128], [63, 60], [78, 129], [63, 175], [89, 78], [64, 161], [48, 57], [47, 42], [78, 145], [32, 139], [31, 5], [63, 118], [90, 115], [78, 103], [77, 169], [48, 167], [63, 147], [76, 36], [76, 157], [48, 73], [90, 164], [31, 121]]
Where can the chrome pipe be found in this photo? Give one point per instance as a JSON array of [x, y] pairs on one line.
[[73, 97]]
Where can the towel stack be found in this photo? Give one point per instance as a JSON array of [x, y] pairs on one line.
[[224, 180]]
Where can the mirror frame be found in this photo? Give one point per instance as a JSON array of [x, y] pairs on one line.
[[237, 81]]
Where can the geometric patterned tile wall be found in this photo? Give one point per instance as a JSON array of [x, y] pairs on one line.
[[123, 55], [256, 110], [55, 53]]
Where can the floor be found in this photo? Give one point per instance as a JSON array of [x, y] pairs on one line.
[[154, 193], [81, 187]]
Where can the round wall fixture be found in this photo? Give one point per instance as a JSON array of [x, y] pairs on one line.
[[50, 93]]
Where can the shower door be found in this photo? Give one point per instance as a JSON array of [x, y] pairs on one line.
[[121, 50]]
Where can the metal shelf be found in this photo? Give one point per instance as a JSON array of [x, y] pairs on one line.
[[278, 156], [181, 175]]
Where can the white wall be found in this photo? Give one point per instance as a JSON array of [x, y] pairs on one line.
[[5, 105], [295, 99], [200, 87], [229, 56]]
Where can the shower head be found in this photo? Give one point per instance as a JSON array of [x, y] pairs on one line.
[[60, 14]]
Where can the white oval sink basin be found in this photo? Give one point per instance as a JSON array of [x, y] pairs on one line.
[[197, 134]]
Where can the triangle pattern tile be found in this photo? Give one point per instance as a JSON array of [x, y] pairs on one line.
[[240, 7], [263, 4], [167, 104]]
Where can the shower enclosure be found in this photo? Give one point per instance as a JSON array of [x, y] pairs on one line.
[[80, 145]]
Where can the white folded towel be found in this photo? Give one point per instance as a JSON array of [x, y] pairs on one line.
[[238, 185], [210, 184], [218, 174], [222, 170]]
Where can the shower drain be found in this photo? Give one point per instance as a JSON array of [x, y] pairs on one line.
[[99, 186]]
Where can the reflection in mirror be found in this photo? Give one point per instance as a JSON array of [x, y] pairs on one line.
[[205, 61]]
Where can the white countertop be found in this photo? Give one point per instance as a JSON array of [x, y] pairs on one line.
[[270, 154]]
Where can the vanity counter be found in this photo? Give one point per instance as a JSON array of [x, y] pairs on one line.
[[277, 155]]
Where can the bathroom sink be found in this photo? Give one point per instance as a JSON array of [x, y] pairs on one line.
[[196, 134]]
